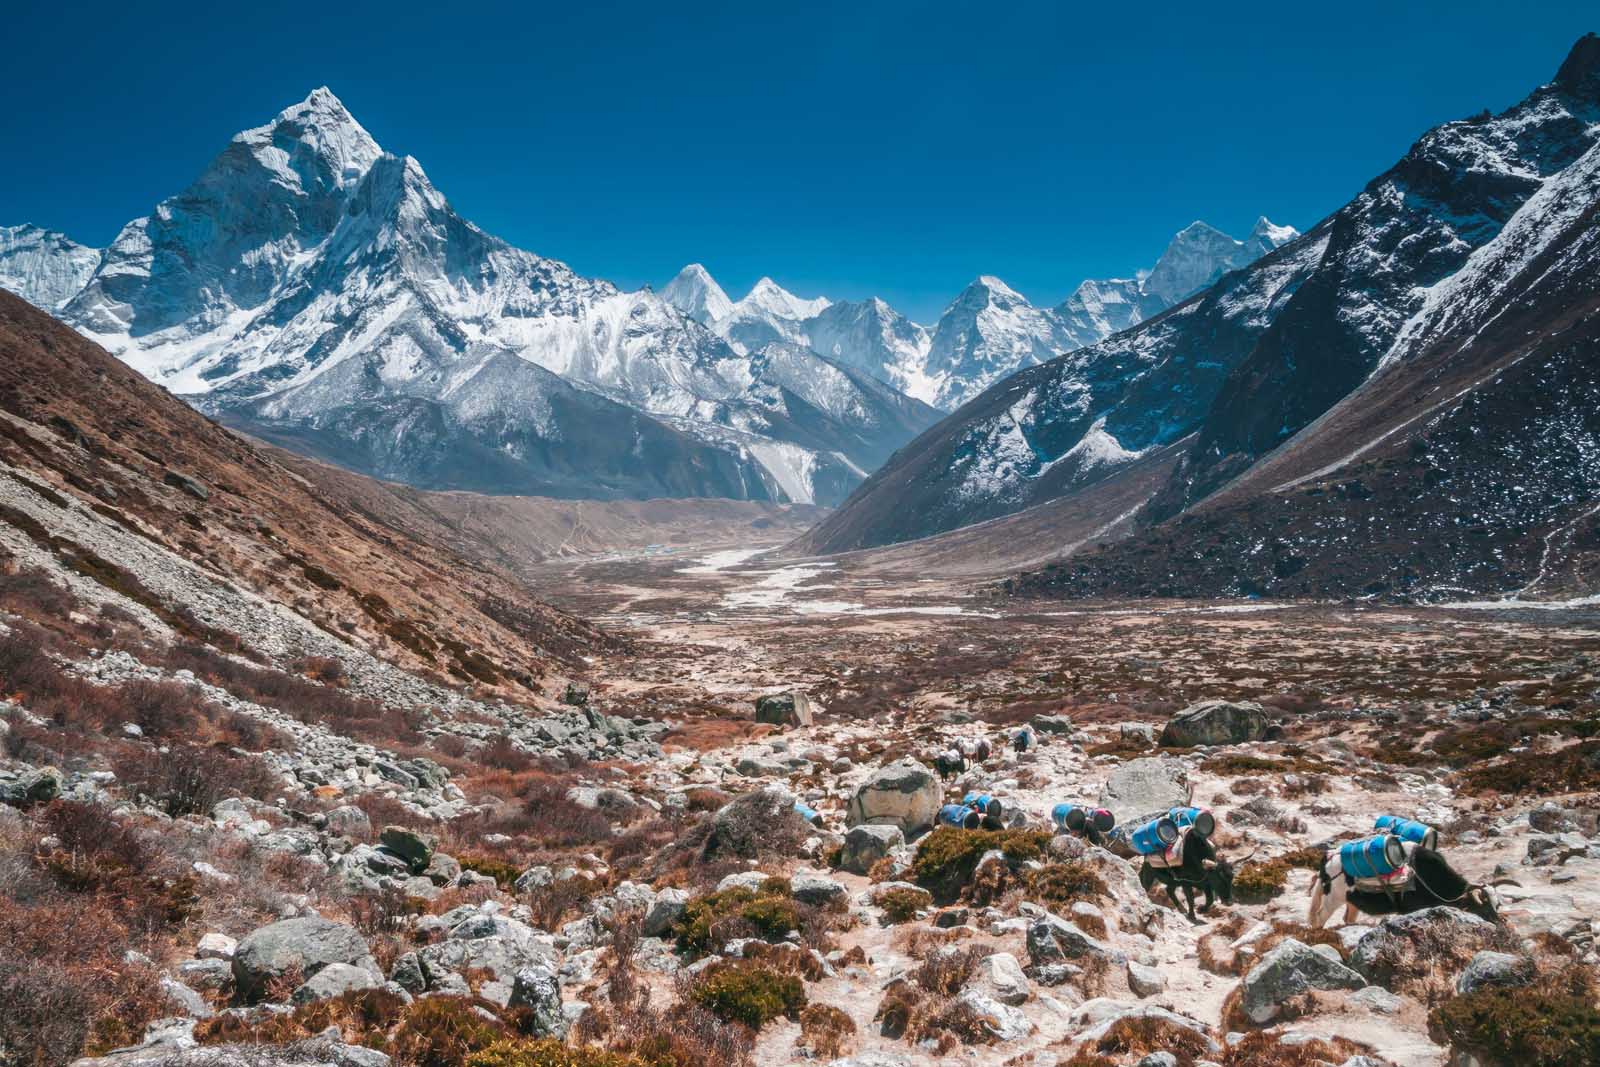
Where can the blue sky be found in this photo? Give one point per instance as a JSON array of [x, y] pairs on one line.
[[866, 148]]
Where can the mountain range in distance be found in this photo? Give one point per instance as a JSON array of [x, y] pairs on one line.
[[987, 333], [322, 294]]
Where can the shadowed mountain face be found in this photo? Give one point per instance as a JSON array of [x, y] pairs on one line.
[[1231, 376], [321, 292]]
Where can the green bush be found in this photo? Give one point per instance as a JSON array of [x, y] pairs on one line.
[[901, 903], [771, 914], [504, 874], [1553, 1024], [748, 993], [947, 857]]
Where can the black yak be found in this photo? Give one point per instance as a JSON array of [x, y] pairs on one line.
[[1200, 870], [1432, 882]]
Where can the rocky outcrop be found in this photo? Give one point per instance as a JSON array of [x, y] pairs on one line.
[[866, 845]]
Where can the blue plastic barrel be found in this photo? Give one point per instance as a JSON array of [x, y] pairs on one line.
[[1154, 836], [1070, 817], [1372, 857], [960, 815], [808, 813], [1202, 820], [1409, 830], [984, 804]]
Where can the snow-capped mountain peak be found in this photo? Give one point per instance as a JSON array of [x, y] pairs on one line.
[[318, 128], [696, 293], [768, 296]]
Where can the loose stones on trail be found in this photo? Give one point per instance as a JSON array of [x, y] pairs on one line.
[[304, 945], [1290, 969]]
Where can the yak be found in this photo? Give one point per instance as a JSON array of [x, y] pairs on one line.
[[1433, 882], [1201, 870], [949, 764]]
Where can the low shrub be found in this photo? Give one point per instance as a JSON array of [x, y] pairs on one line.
[[443, 1031], [504, 873], [1136, 1036], [1554, 1023], [946, 971], [826, 1030], [189, 780], [1569, 770], [1255, 883], [1259, 1049], [947, 857], [713, 919], [901, 903], [554, 820], [548, 1052], [1065, 883], [747, 993]]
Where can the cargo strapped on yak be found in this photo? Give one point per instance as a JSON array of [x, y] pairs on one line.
[[1396, 881], [1172, 856]]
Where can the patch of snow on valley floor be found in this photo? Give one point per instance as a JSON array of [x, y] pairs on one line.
[[717, 562]]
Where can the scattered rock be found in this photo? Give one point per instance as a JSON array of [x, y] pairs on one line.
[[413, 847], [1000, 976], [539, 991], [866, 845], [784, 709], [1397, 938], [1145, 981]]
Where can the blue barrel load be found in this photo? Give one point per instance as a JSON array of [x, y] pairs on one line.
[[1372, 857], [960, 815], [1076, 818], [984, 804], [1154, 836], [1204, 823], [808, 813], [1409, 830]]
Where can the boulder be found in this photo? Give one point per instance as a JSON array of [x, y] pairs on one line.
[[1143, 786], [1397, 939], [301, 946], [1000, 976], [215, 946], [815, 889], [576, 694], [349, 821], [866, 845], [904, 794], [1288, 971], [1052, 724], [1145, 981], [664, 913], [1051, 939], [334, 979], [1216, 722], [784, 709], [1002, 1021], [27, 787], [1489, 968], [539, 991], [413, 847]]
